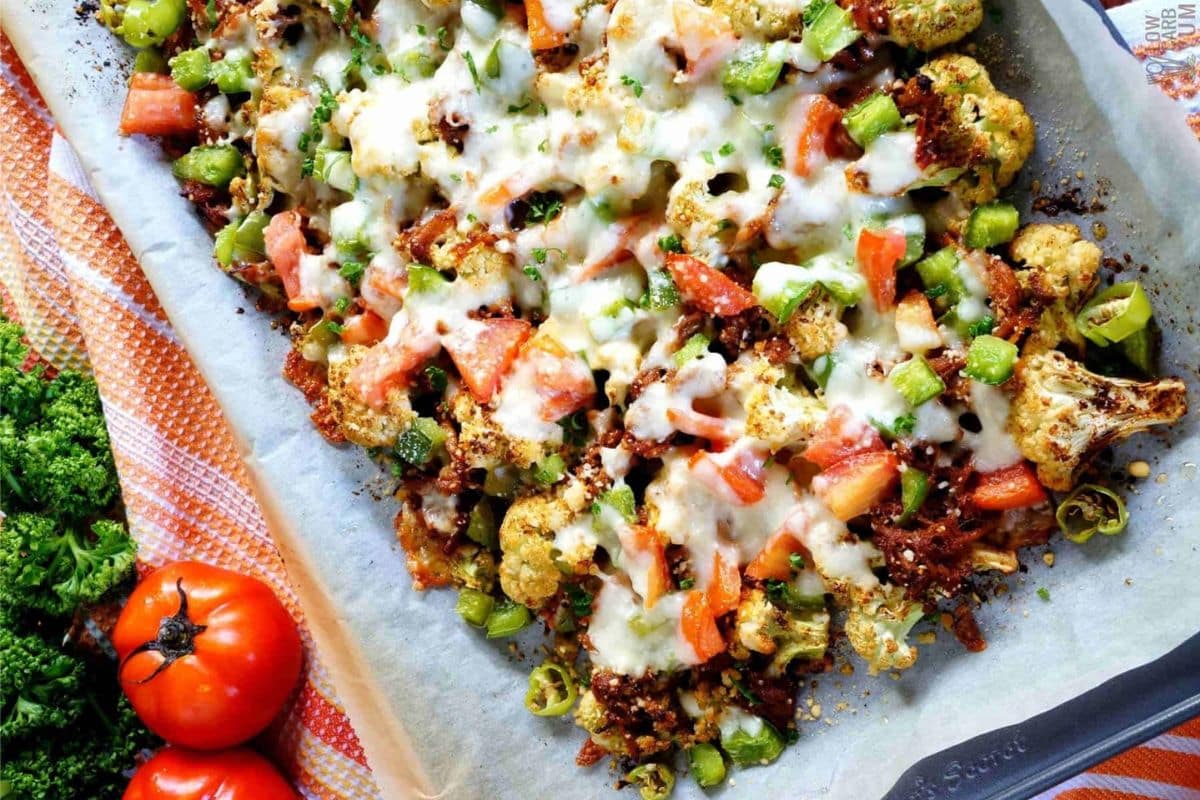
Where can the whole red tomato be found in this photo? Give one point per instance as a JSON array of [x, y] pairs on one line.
[[177, 774], [207, 656]]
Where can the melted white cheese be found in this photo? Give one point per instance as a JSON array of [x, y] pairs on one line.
[[629, 639]]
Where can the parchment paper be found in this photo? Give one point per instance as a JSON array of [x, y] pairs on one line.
[[439, 709]]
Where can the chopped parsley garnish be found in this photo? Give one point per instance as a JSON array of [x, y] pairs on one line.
[[934, 292], [337, 9], [515, 109], [981, 327], [1044, 593], [726, 150], [342, 305], [544, 146], [745, 692], [575, 429], [579, 600], [436, 377], [776, 181], [532, 272], [443, 38], [352, 272], [707, 156], [670, 244], [687, 583], [661, 292], [362, 51], [904, 424], [797, 561], [543, 208], [773, 153], [634, 84], [322, 113], [470, 59], [421, 30]]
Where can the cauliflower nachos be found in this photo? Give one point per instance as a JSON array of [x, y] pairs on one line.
[[702, 334]]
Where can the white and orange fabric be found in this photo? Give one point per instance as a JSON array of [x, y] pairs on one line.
[[71, 280], [69, 277]]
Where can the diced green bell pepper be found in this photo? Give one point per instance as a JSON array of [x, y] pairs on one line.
[[990, 359], [870, 119], [991, 224], [150, 60], [241, 241], [754, 71], [916, 381], [828, 29], [232, 76], [191, 69], [148, 23], [210, 164]]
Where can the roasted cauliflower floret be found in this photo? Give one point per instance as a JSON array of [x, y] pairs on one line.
[[429, 563], [361, 423], [779, 416], [283, 110], [878, 625], [1060, 270], [930, 24], [970, 124], [528, 572], [766, 628], [485, 444], [478, 264], [815, 328], [769, 19], [591, 715], [985, 558], [1064, 414], [691, 211]]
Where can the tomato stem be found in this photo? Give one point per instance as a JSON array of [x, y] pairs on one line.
[[176, 637]]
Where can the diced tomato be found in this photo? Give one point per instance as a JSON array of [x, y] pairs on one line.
[[386, 282], [741, 481], [366, 328], [385, 368], [878, 253], [706, 288], [648, 543], [706, 37], [562, 379], [811, 121], [626, 232], [695, 423], [541, 35], [1008, 488], [856, 484], [484, 353], [842, 435], [698, 625], [285, 243], [157, 106], [725, 585], [775, 560]]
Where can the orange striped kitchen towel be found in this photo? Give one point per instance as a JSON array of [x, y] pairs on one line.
[[69, 276]]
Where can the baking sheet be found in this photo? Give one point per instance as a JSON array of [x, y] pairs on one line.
[[439, 710]]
